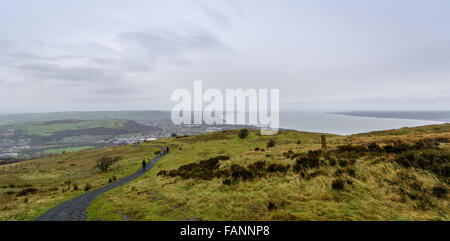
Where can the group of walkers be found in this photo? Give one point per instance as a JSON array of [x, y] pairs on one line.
[[144, 164]]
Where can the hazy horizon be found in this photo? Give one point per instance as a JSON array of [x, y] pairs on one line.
[[162, 110], [311, 121]]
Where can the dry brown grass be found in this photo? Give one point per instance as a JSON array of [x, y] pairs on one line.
[[372, 185], [60, 177]]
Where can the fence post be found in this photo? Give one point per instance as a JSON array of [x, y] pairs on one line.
[[324, 142]]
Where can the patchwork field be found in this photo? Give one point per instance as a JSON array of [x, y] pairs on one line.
[[36, 139]]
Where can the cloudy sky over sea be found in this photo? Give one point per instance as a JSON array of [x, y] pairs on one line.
[[322, 55]]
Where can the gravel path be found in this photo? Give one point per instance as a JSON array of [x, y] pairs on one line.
[[75, 209]]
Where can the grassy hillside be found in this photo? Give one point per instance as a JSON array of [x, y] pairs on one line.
[[403, 176], [391, 175], [29, 189], [49, 128]]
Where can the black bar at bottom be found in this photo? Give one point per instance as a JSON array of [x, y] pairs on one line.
[[241, 230]]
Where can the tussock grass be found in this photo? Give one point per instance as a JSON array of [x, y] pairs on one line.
[[371, 184], [369, 176]]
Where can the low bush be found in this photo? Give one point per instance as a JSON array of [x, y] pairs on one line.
[[87, 187], [27, 191], [238, 173], [243, 133], [338, 184], [106, 162], [435, 161], [332, 162], [277, 168], [202, 170], [290, 154], [343, 163], [226, 182], [258, 168], [310, 160], [271, 206], [439, 191], [9, 192], [397, 147], [313, 174], [358, 149], [374, 147]]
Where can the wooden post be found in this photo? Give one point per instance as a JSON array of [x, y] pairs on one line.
[[324, 142]]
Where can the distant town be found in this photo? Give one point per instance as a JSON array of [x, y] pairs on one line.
[[34, 139]]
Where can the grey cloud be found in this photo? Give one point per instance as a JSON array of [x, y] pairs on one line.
[[72, 73], [164, 43], [139, 51], [114, 91], [217, 16], [320, 55], [114, 99]]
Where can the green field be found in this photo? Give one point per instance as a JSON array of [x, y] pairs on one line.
[[391, 175], [45, 129], [12, 119], [66, 150]]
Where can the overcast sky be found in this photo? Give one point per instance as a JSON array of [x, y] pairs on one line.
[[130, 55]]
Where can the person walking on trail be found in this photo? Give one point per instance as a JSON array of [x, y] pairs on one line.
[[143, 165], [167, 149], [164, 150]]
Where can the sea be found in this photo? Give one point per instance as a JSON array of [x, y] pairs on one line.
[[347, 123]]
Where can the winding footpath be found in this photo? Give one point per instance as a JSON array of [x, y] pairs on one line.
[[75, 209]]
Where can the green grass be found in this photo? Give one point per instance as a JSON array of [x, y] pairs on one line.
[[380, 189], [89, 115], [373, 195], [43, 129], [83, 138], [67, 149], [55, 178]]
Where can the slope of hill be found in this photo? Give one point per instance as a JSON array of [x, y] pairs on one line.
[[84, 115], [391, 175], [413, 115], [36, 139], [30, 188]]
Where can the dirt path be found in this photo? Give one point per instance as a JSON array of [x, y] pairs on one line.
[[75, 209]]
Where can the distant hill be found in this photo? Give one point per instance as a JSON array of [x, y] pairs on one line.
[[85, 115], [443, 116]]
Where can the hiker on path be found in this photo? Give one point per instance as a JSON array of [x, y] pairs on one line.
[[164, 150], [167, 149], [143, 165]]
